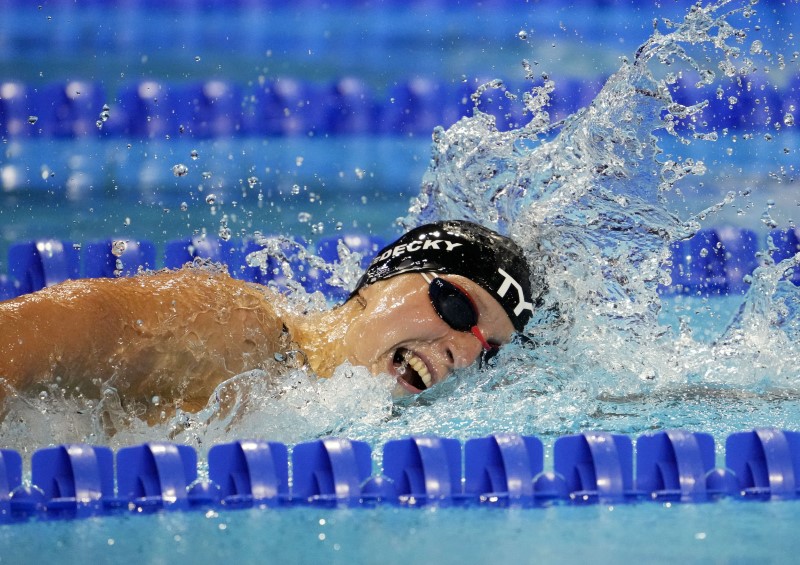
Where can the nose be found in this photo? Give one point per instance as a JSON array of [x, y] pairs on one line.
[[463, 348]]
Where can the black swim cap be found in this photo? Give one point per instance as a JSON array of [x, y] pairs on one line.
[[463, 248]]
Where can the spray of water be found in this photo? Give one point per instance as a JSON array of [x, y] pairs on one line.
[[591, 200]]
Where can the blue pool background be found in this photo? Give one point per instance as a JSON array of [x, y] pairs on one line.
[[360, 86], [84, 183]]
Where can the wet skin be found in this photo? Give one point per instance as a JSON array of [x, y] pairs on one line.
[[399, 332], [180, 334]]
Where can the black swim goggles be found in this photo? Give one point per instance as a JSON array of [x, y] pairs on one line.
[[456, 308]]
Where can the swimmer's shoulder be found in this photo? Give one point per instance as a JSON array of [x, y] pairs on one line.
[[191, 288], [195, 279]]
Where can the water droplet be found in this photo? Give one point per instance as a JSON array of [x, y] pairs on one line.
[[788, 119], [197, 58], [194, 154], [756, 47], [299, 161], [180, 170], [206, 174], [303, 217], [33, 119], [252, 182], [156, 400], [224, 233], [118, 248], [523, 35], [295, 189], [184, 206], [43, 395], [211, 199]]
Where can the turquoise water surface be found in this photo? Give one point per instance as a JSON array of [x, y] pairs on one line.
[[724, 532]]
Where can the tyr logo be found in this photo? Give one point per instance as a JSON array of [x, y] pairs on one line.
[[508, 282]]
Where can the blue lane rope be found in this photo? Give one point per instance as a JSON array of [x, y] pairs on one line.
[[77, 481]]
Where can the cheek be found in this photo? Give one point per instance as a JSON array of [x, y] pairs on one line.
[[382, 330], [364, 340]]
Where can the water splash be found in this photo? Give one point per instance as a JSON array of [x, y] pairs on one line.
[[591, 200], [588, 198]]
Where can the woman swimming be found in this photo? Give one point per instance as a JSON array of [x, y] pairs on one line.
[[435, 300]]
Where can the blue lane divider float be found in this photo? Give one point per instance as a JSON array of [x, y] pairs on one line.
[[330, 470], [501, 468], [179, 252], [10, 480], [787, 244], [596, 466], [156, 475], [247, 472], [76, 481], [423, 469], [674, 465], [36, 265], [766, 462], [9, 288], [109, 258]]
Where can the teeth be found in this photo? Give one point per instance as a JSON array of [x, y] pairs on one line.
[[419, 366]]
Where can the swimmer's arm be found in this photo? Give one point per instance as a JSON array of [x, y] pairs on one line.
[[65, 329], [174, 334]]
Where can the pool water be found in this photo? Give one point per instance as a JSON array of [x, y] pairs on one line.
[[724, 532], [596, 201]]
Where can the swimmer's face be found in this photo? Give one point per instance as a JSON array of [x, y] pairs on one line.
[[400, 333]]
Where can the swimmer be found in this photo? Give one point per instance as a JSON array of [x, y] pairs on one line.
[[438, 299]]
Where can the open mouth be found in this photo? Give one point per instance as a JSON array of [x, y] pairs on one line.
[[411, 370]]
